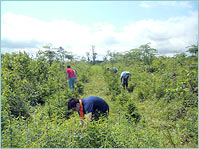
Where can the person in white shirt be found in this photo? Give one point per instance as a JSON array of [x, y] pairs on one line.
[[112, 69], [124, 78]]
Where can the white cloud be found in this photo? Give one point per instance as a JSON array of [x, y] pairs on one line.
[[170, 35], [184, 4], [145, 4], [149, 4], [167, 36]]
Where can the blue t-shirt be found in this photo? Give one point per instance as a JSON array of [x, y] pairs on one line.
[[93, 104]]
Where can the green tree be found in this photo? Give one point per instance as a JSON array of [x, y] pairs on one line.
[[88, 56], [69, 56], [148, 53], [134, 55], [193, 49], [94, 54], [49, 53], [61, 54]]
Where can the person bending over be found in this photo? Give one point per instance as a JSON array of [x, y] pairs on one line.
[[91, 107], [124, 78]]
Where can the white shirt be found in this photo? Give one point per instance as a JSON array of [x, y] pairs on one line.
[[124, 73]]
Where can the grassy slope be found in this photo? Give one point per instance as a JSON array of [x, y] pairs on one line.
[[97, 87]]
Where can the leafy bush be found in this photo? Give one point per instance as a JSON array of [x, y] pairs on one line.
[[98, 135], [123, 98], [132, 113], [131, 87], [112, 82]]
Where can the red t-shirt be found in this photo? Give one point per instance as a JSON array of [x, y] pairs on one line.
[[70, 72]]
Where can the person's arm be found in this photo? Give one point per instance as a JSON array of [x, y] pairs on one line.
[[75, 72], [67, 73], [87, 118], [121, 76], [84, 122]]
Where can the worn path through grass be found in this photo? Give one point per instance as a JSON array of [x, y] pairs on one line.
[[97, 87]]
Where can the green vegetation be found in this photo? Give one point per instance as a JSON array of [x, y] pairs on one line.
[[159, 109]]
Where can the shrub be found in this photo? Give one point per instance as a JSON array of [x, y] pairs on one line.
[[132, 114], [79, 87], [123, 98], [131, 87]]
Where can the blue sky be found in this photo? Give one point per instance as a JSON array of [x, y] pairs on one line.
[[118, 26]]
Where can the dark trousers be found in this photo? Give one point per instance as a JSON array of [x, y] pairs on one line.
[[125, 82]]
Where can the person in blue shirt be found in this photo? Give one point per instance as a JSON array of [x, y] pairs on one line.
[[91, 107], [124, 78]]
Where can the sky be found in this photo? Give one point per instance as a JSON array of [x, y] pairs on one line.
[[117, 26]]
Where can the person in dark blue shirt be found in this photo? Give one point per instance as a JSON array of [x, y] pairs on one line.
[[92, 107]]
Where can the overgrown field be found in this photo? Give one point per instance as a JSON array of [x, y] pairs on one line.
[[159, 109]]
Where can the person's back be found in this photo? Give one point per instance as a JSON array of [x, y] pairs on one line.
[[125, 74], [124, 78], [114, 70], [91, 107], [71, 77], [70, 72], [94, 104]]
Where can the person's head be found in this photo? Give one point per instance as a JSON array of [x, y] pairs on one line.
[[68, 66], [74, 104]]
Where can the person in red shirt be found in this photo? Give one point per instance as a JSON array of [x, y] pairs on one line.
[[71, 75]]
